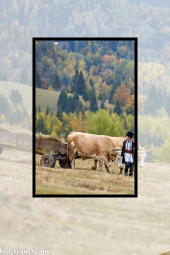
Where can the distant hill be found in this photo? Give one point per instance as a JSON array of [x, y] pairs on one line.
[[24, 90]]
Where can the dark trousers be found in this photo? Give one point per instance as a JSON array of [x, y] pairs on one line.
[[127, 166]]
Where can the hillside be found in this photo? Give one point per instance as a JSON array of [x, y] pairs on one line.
[[24, 90], [48, 98]]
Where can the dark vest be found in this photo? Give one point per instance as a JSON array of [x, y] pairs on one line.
[[123, 151]]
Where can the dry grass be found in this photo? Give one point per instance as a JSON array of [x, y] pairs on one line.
[[14, 129], [81, 180], [119, 226], [49, 137]]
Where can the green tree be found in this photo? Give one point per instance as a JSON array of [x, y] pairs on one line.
[[37, 80], [15, 97], [40, 125], [4, 106], [74, 82], [93, 102], [56, 83], [47, 110], [23, 77], [81, 84], [62, 100], [118, 108]]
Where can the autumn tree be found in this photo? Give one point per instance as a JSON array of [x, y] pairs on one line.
[[122, 93]]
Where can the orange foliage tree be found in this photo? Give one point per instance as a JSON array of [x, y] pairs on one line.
[[129, 108], [121, 94]]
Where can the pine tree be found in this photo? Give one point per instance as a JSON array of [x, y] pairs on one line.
[[40, 125], [39, 108], [23, 77], [37, 80], [62, 100], [15, 97], [93, 103], [118, 108], [56, 83], [111, 94], [81, 84], [59, 113], [74, 81], [47, 110], [75, 101]]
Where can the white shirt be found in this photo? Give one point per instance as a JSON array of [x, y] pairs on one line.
[[128, 156]]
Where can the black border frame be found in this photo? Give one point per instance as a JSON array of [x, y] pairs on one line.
[[135, 39]]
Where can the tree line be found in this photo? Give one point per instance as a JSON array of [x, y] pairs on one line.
[[102, 122], [15, 113]]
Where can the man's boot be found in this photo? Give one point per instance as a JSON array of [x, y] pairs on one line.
[[131, 172], [125, 172]]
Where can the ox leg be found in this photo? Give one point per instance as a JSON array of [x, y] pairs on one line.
[[95, 164], [121, 169], [107, 165], [109, 168], [72, 160], [100, 165]]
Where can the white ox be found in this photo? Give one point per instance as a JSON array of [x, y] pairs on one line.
[[118, 161], [141, 156], [98, 147]]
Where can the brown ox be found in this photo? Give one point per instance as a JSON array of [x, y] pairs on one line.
[[118, 142], [86, 145]]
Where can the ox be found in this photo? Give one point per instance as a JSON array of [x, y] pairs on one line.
[[86, 145], [141, 156], [118, 142], [118, 161]]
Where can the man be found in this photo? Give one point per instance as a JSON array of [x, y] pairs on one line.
[[128, 151]]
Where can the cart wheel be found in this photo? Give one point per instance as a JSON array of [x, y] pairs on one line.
[[1, 150], [47, 160], [65, 163]]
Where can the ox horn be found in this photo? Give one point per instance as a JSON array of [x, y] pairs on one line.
[[148, 150], [117, 148]]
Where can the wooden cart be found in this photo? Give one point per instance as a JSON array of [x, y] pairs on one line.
[[17, 141], [55, 150]]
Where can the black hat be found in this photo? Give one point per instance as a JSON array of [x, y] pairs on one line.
[[130, 134]]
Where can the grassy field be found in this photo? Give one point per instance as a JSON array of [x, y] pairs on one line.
[[24, 90], [50, 98], [119, 226], [81, 180], [46, 97]]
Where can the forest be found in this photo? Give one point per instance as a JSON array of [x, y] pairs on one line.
[[149, 21], [100, 72]]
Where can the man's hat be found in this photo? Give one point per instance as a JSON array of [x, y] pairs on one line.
[[130, 134]]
